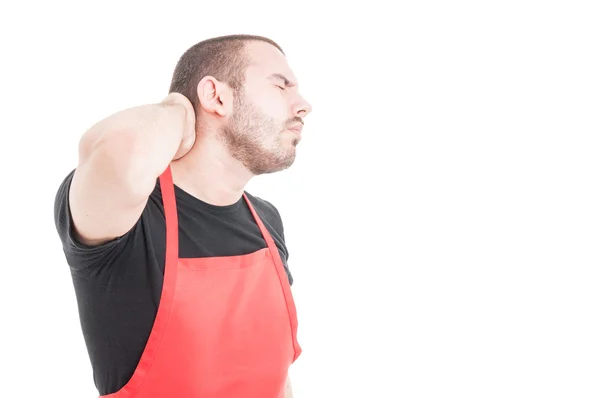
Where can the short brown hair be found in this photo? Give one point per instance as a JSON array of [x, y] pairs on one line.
[[222, 57]]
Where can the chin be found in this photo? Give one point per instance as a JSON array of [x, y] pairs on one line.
[[285, 163], [269, 164]]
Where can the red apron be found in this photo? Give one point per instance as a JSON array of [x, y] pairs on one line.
[[225, 327]]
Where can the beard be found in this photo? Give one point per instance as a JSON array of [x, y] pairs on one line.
[[256, 140]]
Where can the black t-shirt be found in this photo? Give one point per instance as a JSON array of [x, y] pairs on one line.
[[118, 284]]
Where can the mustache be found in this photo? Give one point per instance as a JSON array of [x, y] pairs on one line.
[[295, 120]]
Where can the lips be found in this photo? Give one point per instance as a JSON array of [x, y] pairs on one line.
[[296, 128]]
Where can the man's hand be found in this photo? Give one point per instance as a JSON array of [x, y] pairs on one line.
[[189, 133]]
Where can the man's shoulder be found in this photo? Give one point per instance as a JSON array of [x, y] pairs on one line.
[[61, 198], [264, 207], [64, 183], [267, 210], [262, 203]]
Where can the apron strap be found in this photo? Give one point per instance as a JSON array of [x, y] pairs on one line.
[[283, 279], [167, 190], [168, 289]]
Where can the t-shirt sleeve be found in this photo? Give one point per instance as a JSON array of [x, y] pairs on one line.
[[278, 225], [286, 252], [80, 256], [273, 218]]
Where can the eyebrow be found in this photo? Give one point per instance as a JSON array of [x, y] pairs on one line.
[[286, 81]]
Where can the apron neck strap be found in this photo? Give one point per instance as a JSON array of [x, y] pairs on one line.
[[167, 190], [170, 207]]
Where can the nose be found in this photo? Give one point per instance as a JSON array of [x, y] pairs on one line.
[[302, 108]]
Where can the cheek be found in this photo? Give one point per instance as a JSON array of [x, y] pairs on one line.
[[274, 106]]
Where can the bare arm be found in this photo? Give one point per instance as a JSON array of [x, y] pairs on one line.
[[288, 388], [120, 158]]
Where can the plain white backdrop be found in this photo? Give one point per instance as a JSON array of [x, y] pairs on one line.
[[443, 216]]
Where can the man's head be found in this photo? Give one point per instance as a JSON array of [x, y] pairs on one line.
[[243, 88]]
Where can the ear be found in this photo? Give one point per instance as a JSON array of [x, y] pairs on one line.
[[214, 96]]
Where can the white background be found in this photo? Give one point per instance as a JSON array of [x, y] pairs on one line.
[[443, 216]]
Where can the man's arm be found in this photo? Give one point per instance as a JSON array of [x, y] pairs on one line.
[[288, 388], [120, 158]]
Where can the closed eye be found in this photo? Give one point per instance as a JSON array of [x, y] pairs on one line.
[[286, 82]]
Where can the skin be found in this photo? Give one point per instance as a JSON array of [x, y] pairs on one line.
[[213, 150], [244, 135], [288, 389]]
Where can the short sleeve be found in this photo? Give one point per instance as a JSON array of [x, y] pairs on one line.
[[80, 256], [272, 218]]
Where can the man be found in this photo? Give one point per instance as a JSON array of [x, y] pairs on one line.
[[180, 275]]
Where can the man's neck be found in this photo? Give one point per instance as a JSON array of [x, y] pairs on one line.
[[209, 173]]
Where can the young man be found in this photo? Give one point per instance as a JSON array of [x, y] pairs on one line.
[[180, 275]]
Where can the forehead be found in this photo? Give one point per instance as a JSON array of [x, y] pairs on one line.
[[266, 60]]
